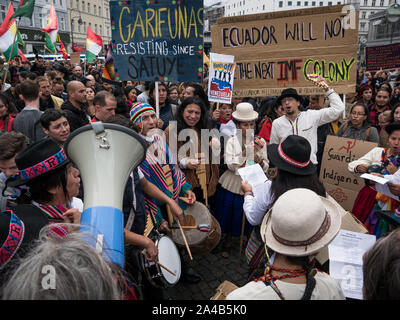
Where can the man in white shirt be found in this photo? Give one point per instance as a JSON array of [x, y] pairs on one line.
[[305, 123]]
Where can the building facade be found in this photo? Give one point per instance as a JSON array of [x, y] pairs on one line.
[[365, 7], [31, 28], [210, 17], [88, 13]]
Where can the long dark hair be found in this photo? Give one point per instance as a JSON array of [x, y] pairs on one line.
[[285, 181], [39, 187], [152, 101], [366, 111], [181, 124]]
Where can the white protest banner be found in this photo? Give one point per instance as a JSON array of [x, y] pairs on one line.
[[221, 76]]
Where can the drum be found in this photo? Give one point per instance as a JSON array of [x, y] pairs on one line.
[[168, 256], [200, 242]]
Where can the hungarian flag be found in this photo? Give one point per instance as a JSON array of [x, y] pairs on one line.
[[94, 43], [51, 31], [8, 33], [62, 49], [25, 9]]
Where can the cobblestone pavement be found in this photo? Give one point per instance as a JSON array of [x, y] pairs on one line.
[[214, 269]]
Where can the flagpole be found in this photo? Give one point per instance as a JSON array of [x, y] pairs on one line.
[[9, 58], [157, 100]]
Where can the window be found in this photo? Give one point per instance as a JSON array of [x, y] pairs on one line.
[[373, 3], [61, 3], [2, 12], [88, 7], [314, 3], [95, 28], [329, 3], [71, 3], [77, 4], [100, 14], [79, 27], [306, 3], [298, 3], [95, 9], [280, 4], [382, 3], [83, 5], [363, 14], [289, 3], [84, 25], [321, 4], [62, 24], [101, 29], [365, 3], [362, 25]]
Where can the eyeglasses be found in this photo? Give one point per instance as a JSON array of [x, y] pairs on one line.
[[356, 114]]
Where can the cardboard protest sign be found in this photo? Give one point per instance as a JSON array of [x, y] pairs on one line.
[[385, 57], [339, 182], [221, 76], [274, 51], [157, 40], [75, 57]]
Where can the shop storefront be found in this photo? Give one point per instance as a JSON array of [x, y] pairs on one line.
[[34, 40]]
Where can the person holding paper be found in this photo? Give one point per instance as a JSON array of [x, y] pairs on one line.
[[241, 149], [383, 161], [294, 170], [289, 274]]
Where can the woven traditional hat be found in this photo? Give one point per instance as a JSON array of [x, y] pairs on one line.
[[245, 112], [39, 158], [300, 223]]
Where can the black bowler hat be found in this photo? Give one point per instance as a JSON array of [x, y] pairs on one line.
[[290, 92], [392, 127], [19, 228], [292, 155], [39, 158]]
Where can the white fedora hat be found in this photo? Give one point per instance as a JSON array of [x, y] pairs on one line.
[[245, 112], [300, 223]]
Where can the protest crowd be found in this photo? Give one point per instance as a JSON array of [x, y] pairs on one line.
[[283, 224]]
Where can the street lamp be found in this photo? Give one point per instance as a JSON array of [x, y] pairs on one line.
[[393, 16], [72, 28]]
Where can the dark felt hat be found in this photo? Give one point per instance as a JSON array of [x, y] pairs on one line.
[[290, 92], [292, 155], [38, 159], [19, 228]]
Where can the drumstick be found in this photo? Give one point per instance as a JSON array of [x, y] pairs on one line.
[[201, 227], [184, 239], [162, 266]]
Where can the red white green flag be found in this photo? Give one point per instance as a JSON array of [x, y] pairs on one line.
[[8, 31], [51, 31], [94, 43]]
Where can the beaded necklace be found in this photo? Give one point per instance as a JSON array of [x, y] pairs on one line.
[[269, 280]]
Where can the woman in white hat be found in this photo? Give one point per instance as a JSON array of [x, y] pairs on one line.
[[240, 150], [296, 228]]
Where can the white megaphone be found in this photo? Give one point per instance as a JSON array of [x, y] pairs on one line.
[[105, 154]]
